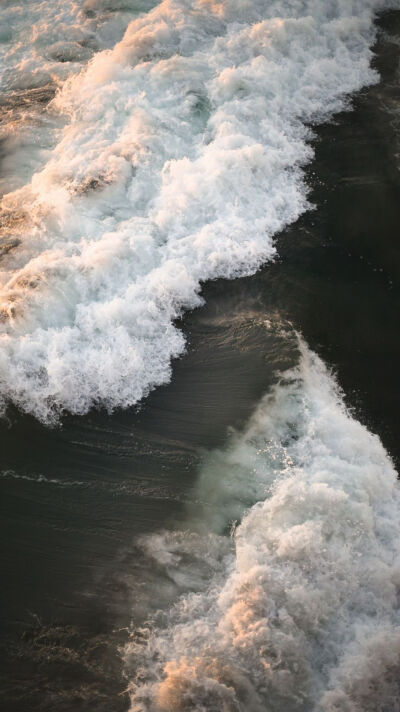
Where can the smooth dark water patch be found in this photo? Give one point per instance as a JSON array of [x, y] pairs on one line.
[[74, 498], [342, 262]]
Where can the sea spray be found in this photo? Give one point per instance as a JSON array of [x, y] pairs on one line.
[[300, 610]]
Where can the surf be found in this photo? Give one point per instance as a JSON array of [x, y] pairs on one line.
[[296, 606], [178, 159]]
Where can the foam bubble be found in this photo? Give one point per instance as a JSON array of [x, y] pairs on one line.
[[180, 160], [303, 613]]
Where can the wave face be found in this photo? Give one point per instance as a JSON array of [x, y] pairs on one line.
[[181, 157], [297, 610]]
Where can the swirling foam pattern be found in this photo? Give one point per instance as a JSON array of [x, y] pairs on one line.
[[180, 159]]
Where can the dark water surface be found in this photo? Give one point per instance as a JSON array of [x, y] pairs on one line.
[[74, 498]]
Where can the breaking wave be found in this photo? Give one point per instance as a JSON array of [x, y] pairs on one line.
[[181, 157], [297, 610]]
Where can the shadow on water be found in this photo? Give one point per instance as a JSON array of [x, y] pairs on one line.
[[74, 498]]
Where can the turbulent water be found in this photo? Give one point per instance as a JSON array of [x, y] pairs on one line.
[[146, 149], [302, 611], [180, 160]]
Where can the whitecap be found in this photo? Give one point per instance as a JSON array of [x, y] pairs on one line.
[[182, 157], [300, 610]]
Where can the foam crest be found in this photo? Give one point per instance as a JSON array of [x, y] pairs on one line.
[[300, 610], [180, 160]]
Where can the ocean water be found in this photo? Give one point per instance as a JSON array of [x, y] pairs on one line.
[[216, 182]]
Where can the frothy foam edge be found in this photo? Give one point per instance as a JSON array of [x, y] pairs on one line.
[[181, 159], [299, 609]]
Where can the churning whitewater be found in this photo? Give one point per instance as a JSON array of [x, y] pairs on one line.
[[299, 609], [147, 148], [171, 158]]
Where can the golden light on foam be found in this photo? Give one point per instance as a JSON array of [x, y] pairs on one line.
[[217, 8], [16, 294], [179, 676], [185, 677], [8, 308], [12, 220]]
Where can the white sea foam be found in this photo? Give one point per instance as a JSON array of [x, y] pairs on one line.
[[181, 159], [300, 610], [41, 44]]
